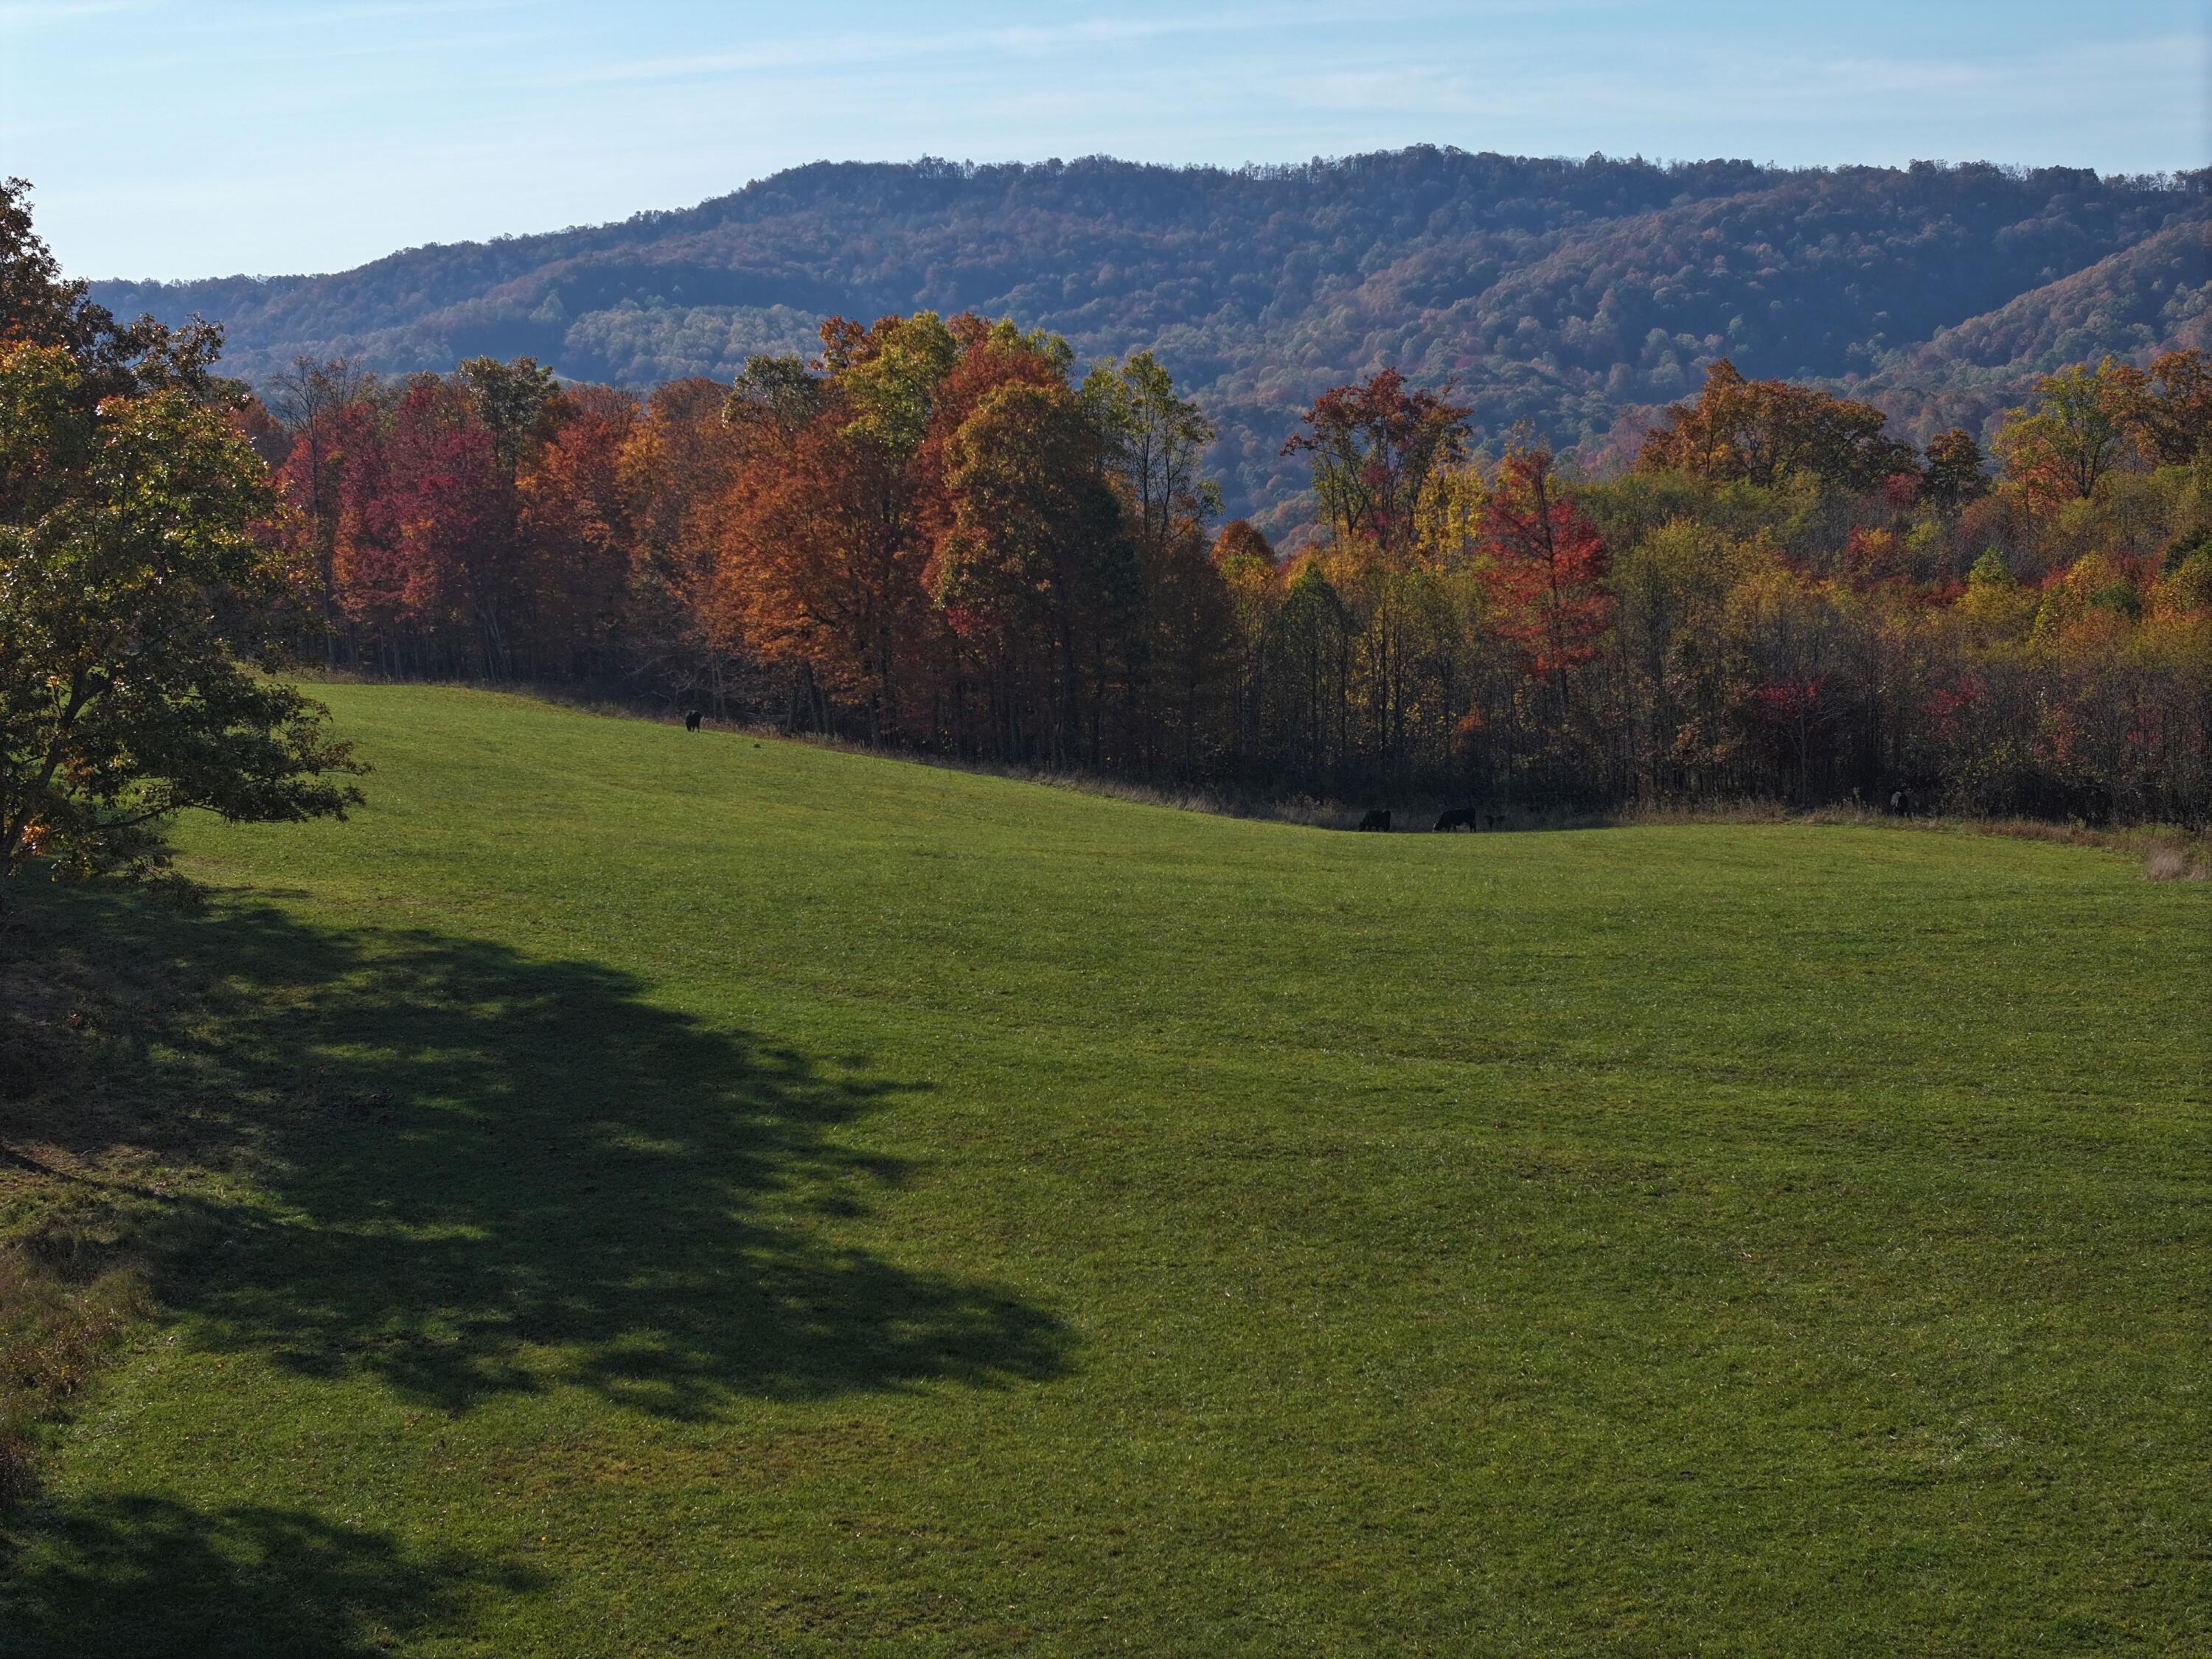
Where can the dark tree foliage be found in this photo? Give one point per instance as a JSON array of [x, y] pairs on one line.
[[1955, 470], [141, 609]]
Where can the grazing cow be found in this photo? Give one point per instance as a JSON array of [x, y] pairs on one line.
[[1459, 817], [1377, 819], [690, 719]]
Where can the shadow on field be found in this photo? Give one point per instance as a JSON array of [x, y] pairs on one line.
[[146, 1576], [494, 1174]]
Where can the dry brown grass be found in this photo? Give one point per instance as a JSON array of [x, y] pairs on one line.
[[55, 1324], [2175, 864], [2168, 852]]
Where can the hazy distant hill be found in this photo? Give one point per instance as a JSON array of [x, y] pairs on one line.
[[1573, 294]]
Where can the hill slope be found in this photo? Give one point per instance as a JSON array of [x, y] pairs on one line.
[[1566, 293], [693, 1189]]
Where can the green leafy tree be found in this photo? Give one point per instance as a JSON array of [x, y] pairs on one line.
[[516, 401], [140, 614], [1157, 441], [2064, 446], [1996, 608], [1953, 473], [1154, 442], [891, 374], [780, 394], [1037, 568]]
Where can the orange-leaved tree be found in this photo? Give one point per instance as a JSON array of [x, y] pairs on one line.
[[1765, 432]]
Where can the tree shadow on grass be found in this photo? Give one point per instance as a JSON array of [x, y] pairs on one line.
[[495, 1173], [479, 1173], [145, 1576]]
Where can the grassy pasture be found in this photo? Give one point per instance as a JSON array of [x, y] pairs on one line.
[[649, 1193]]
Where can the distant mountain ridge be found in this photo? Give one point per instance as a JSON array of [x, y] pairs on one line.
[[1573, 294]]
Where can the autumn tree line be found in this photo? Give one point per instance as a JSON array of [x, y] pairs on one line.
[[942, 534]]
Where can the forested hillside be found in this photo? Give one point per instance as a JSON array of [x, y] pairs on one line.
[[2149, 297], [1574, 296]]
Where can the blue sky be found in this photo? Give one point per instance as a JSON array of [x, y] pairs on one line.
[[168, 139]]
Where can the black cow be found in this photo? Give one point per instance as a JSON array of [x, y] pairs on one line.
[[1459, 817], [1377, 819], [690, 719], [1900, 803]]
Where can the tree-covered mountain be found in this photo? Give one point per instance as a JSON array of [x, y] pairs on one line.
[[2150, 297], [1575, 296]]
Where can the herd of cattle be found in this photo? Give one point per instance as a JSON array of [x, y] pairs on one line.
[[1454, 817]]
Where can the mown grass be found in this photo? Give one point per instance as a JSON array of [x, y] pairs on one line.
[[675, 1193]]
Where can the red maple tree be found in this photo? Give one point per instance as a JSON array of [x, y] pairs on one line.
[[1545, 569]]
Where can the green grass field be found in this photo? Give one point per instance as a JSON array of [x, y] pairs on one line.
[[679, 1194]]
